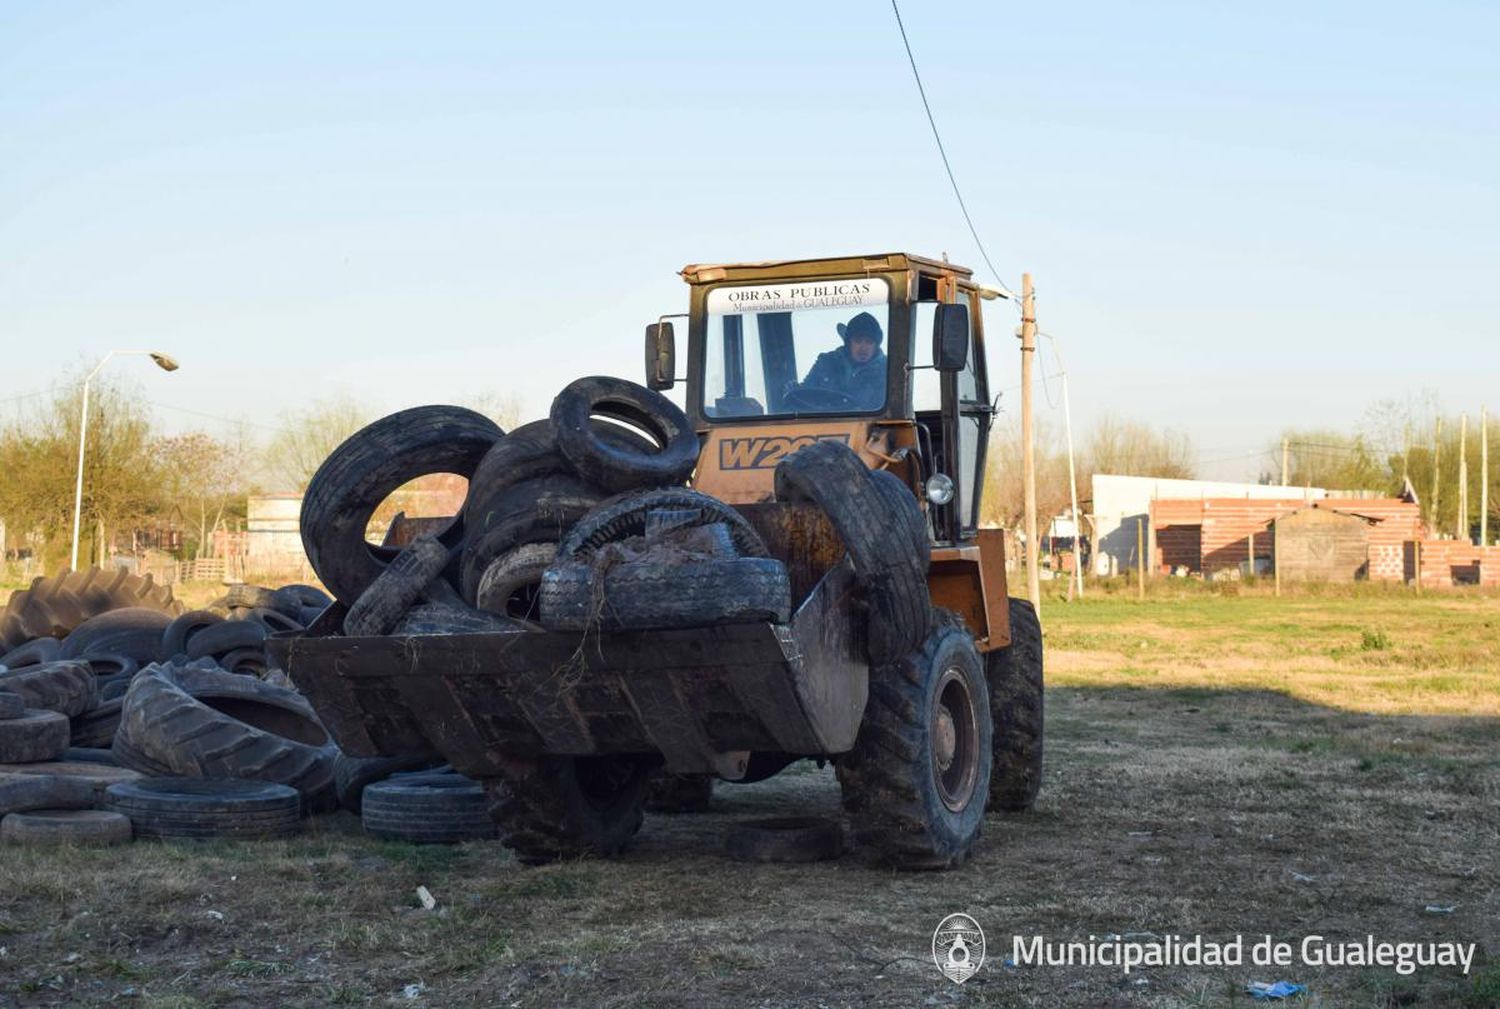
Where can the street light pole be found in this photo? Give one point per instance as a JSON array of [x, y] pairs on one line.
[[163, 361]]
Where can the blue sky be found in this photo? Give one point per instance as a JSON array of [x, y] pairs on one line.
[[1239, 217]]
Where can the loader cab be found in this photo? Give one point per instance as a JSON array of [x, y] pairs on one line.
[[772, 366]]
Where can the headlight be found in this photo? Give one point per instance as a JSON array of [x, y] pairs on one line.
[[940, 488]]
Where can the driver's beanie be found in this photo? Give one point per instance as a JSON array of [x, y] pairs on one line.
[[862, 327]]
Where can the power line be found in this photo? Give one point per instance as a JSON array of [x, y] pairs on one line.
[[931, 121]]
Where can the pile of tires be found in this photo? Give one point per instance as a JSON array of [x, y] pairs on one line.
[[527, 491]]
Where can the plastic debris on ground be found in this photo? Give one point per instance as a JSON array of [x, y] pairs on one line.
[[1266, 991]]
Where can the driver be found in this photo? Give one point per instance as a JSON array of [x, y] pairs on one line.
[[857, 369]]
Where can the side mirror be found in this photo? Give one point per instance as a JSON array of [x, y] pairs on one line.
[[661, 356], [950, 337]]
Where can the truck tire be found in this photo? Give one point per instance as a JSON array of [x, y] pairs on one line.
[[56, 605], [629, 514], [916, 782], [432, 809], [551, 808], [365, 469], [351, 775], [36, 735], [134, 632], [1016, 705], [32, 653], [648, 595], [193, 808], [904, 503], [511, 586], [614, 466], [96, 727], [295, 600], [225, 637], [174, 640], [197, 723], [890, 570], [47, 827], [20, 793], [390, 595], [243, 595], [67, 687], [541, 525], [11, 706]]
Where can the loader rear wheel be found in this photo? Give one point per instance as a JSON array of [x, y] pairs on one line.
[[916, 781], [1015, 680], [553, 808]]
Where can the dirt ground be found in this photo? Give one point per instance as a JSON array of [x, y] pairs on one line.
[[1216, 766]]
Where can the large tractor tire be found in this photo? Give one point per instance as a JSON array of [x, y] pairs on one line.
[[1015, 681], [55, 605], [553, 808], [916, 782]]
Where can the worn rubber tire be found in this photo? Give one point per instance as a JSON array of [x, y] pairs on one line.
[[20, 793], [435, 809], [399, 586], [198, 723], [98, 776], [899, 497], [274, 621], [249, 596], [32, 653], [193, 808], [295, 600], [891, 572], [890, 789], [611, 466], [645, 595], [11, 705], [174, 640], [365, 469], [351, 775], [679, 793], [49, 827], [91, 755], [225, 637], [512, 584], [551, 808], [541, 525], [109, 667], [67, 687], [785, 839], [134, 632], [96, 727], [36, 735], [626, 515], [1015, 678], [57, 604], [245, 662]]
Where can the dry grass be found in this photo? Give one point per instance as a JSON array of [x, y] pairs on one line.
[[1253, 768]]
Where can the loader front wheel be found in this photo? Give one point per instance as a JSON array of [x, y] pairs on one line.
[[916, 782], [551, 808]]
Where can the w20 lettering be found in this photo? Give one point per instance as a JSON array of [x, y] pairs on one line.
[[766, 451]]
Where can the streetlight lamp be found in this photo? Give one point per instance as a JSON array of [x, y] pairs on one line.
[[165, 362]]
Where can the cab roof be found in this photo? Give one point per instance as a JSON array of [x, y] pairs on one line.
[[881, 262]]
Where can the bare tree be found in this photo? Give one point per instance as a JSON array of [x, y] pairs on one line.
[[1135, 449], [199, 474], [310, 436]]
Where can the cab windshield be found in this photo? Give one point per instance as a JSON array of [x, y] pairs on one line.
[[801, 347]]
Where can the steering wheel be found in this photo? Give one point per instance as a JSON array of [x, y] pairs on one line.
[[809, 397]]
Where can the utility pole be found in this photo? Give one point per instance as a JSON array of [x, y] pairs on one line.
[[1028, 449], [1283, 461], [1484, 477], [1461, 533]]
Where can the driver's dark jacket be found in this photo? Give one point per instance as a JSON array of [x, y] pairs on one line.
[[864, 383]]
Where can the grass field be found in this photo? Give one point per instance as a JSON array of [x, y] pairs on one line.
[[1321, 764]]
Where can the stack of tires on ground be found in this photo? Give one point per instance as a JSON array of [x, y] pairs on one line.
[[174, 723]]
